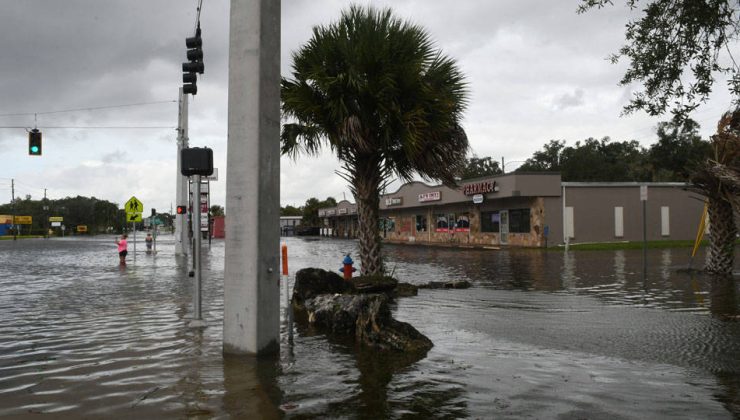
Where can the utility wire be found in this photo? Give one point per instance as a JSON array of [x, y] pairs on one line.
[[95, 127], [197, 18], [87, 109]]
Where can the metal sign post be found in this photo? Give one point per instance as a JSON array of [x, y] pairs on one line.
[[197, 287]]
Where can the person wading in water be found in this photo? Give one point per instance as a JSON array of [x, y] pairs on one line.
[[122, 248]]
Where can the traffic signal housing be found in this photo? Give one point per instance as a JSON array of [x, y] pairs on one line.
[[195, 65], [182, 209], [34, 142]]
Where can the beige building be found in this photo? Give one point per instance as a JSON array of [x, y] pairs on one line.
[[530, 210]]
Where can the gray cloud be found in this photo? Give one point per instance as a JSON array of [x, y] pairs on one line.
[[529, 65]]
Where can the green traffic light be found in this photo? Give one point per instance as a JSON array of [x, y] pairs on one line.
[[34, 149]]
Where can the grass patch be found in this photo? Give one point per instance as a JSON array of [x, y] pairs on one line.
[[10, 237]]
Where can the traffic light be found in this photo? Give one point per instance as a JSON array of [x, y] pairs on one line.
[[195, 64], [34, 142], [182, 209], [154, 212]]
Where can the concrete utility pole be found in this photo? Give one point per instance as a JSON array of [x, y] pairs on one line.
[[252, 274], [181, 194]]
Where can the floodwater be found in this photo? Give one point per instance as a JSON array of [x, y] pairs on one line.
[[541, 334]]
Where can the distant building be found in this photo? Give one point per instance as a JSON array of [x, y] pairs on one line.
[[288, 224], [525, 209]]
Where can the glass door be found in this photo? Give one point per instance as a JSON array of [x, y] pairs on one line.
[[504, 226]]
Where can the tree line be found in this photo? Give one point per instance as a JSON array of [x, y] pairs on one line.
[[673, 158], [98, 215]]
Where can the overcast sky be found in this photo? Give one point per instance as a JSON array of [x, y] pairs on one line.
[[536, 71]]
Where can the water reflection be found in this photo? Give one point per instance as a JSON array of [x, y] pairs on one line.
[[540, 334]]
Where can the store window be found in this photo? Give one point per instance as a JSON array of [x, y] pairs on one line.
[[463, 223], [489, 221], [519, 221], [421, 223], [441, 223]]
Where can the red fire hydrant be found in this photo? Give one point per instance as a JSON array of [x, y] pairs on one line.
[[347, 268]]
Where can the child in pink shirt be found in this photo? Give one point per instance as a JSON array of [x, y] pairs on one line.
[[122, 248]]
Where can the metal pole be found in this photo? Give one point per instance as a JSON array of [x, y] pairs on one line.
[[197, 316], [251, 269], [12, 200], [644, 238], [181, 223], [134, 241]]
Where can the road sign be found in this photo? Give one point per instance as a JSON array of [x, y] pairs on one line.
[[56, 219], [133, 217], [133, 205], [157, 221], [81, 228], [23, 220]]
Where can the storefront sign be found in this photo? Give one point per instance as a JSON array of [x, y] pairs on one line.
[[322, 213], [23, 220], [430, 196], [56, 219], [482, 187], [478, 198], [330, 212], [393, 201], [343, 211]]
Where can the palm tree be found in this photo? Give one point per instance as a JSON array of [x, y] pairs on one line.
[[373, 89], [718, 179]]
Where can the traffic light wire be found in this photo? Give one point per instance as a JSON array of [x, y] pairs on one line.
[[197, 18], [121, 127], [87, 109]]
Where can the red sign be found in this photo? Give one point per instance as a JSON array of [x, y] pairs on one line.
[[482, 187]]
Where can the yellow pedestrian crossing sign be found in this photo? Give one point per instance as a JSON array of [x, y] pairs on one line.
[[133, 205], [133, 217]]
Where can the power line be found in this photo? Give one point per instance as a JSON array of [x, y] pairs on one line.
[[88, 109], [95, 127]]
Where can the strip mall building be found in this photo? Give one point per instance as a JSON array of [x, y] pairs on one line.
[[529, 210]]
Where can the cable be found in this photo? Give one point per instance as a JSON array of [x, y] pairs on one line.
[[95, 127], [87, 109], [197, 18]]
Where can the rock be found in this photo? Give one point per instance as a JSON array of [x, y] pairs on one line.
[[376, 327], [366, 317], [311, 282], [406, 290], [457, 284], [374, 284]]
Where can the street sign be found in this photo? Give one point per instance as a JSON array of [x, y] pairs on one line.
[[23, 220], [81, 228], [56, 219], [133, 217], [157, 221], [133, 205]]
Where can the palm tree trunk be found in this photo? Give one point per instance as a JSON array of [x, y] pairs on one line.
[[366, 185], [723, 233]]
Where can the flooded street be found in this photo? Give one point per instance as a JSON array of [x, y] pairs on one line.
[[540, 334]]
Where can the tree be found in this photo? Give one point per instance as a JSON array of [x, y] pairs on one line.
[[670, 37], [546, 160], [373, 90], [311, 210], [291, 211], [476, 167], [217, 210], [678, 150], [718, 178]]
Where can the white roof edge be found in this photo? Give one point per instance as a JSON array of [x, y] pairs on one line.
[[624, 184]]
